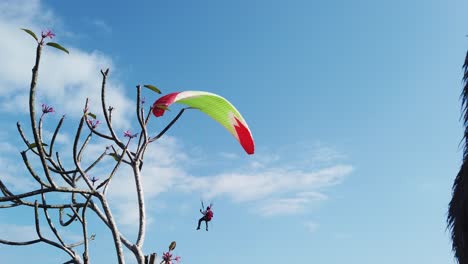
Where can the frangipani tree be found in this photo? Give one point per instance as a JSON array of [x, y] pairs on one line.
[[84, 193]]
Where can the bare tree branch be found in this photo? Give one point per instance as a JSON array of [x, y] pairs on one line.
[[45, 240], [92, 237], [54, 136], [104, 219], [32, 113], [24, 243], [49, 221], [20, 130], [31, 171], [113, 227], [45, 190], [141, 206], [106, 182], [85, 232], [75, 155], [97, 160], [104, 110]]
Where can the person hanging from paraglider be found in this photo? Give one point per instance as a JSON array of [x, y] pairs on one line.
[[207, 216]]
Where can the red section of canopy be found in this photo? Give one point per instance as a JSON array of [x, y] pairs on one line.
[[245, 138], [165, 101]]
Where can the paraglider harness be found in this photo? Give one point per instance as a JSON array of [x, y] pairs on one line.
[[207, 215]]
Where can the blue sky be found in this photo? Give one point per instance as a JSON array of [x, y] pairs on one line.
[[354, 107]]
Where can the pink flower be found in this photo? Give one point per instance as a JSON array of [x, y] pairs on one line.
[[47, 34], [47, 109], [129, 134], [93, 123], [167, 256]]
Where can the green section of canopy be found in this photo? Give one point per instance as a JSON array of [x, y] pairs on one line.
[[216, 107]]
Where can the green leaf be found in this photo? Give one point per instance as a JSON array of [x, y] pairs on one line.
[[57, 46], [30, 33], [33, 145], [92, 115], [115, 156], [153, 88], [163, 107]]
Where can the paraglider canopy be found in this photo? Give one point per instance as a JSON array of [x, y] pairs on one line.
[[214, 106]]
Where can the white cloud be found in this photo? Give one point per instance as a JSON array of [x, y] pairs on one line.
[[248, 186], [15, 177], [160, 173], [27, 12], [325, 154], [290, 205], [274, 190], [8, 148], [18, 182], [60, 75], [60, 138], [127, 212]]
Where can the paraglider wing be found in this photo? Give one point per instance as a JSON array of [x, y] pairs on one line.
[[215, 106]]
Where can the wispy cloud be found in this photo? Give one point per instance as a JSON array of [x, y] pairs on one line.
[[13, 174], [248, 186], [17, 233], [273, 190], [20, 233], [342, 235], [101, 24], [229, 156], [291, 205]]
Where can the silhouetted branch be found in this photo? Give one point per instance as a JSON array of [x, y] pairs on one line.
[[169, 125]]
